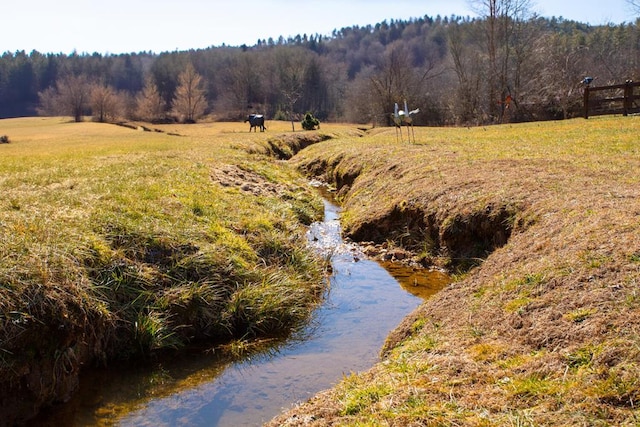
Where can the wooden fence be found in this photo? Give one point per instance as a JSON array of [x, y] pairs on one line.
[[614, 99]]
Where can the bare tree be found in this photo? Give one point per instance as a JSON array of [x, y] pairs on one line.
[[502, 20], [469, 72], [150, 105], [189, 102], [290, 66], [389, 83], [362, 104], [396, 80], [106, 104], [556, 91], [48, 102], [73, 93], [243, 80]]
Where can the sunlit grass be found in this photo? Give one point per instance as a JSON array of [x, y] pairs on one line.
[[132, 240], [541, 329]]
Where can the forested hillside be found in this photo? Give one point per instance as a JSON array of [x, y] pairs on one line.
[[510, 66]]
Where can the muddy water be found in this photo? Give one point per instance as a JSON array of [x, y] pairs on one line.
[[363, 304]]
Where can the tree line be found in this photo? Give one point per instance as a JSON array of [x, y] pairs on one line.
[[506, 65]]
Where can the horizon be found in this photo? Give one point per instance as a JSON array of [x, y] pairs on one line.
[[73, 26]]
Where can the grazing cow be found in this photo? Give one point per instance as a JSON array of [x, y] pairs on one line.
[[256, 121]]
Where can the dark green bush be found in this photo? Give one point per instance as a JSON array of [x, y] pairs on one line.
[[310, 122]]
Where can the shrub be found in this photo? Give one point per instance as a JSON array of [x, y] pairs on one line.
[[310, 122], [280, 115]]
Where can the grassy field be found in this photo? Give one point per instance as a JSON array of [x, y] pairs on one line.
[[117, 244], [540, 224]]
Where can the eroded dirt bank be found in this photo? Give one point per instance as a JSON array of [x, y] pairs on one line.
[[542, 326]]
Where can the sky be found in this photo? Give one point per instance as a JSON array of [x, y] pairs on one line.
[[126, 26]]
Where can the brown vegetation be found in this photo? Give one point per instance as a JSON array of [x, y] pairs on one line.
[[544, 329], [507, 65]]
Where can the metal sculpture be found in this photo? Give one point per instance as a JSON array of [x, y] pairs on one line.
[[404, 118]]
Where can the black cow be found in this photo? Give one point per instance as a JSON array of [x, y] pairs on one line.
[[256, 121]]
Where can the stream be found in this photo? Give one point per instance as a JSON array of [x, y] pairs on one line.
[[364, 303]]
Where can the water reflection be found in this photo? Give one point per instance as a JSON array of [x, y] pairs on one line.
[[364, 303], [417, 281]]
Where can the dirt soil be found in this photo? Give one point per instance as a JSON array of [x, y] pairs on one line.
[[541, 325]]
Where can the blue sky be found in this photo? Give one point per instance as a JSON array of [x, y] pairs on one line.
[[123, 26]]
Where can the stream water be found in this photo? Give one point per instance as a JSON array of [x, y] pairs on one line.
[[364, 303]]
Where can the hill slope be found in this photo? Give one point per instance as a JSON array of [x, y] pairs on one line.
[[543, 327]]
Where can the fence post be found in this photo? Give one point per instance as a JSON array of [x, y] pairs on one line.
[[586, 102], [628, 98]]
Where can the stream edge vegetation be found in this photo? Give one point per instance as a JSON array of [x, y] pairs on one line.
[[119, 246], [538, 223]]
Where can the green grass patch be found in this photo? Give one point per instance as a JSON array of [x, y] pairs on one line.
[[619, 386], [356, 398], [534, 387], [581, 357], [580, 314], [516, 305]]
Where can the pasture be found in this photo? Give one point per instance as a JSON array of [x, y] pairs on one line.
[[114, 238], [540, 223], [117, 244]]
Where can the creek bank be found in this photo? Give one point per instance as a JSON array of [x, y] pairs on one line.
[[199, 263], [541, 327], [413, 231], [285, 146], [134, 310], [364, 301]]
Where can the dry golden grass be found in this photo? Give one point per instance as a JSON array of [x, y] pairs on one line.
[[544, 330], [116, 244], [539, 221]]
